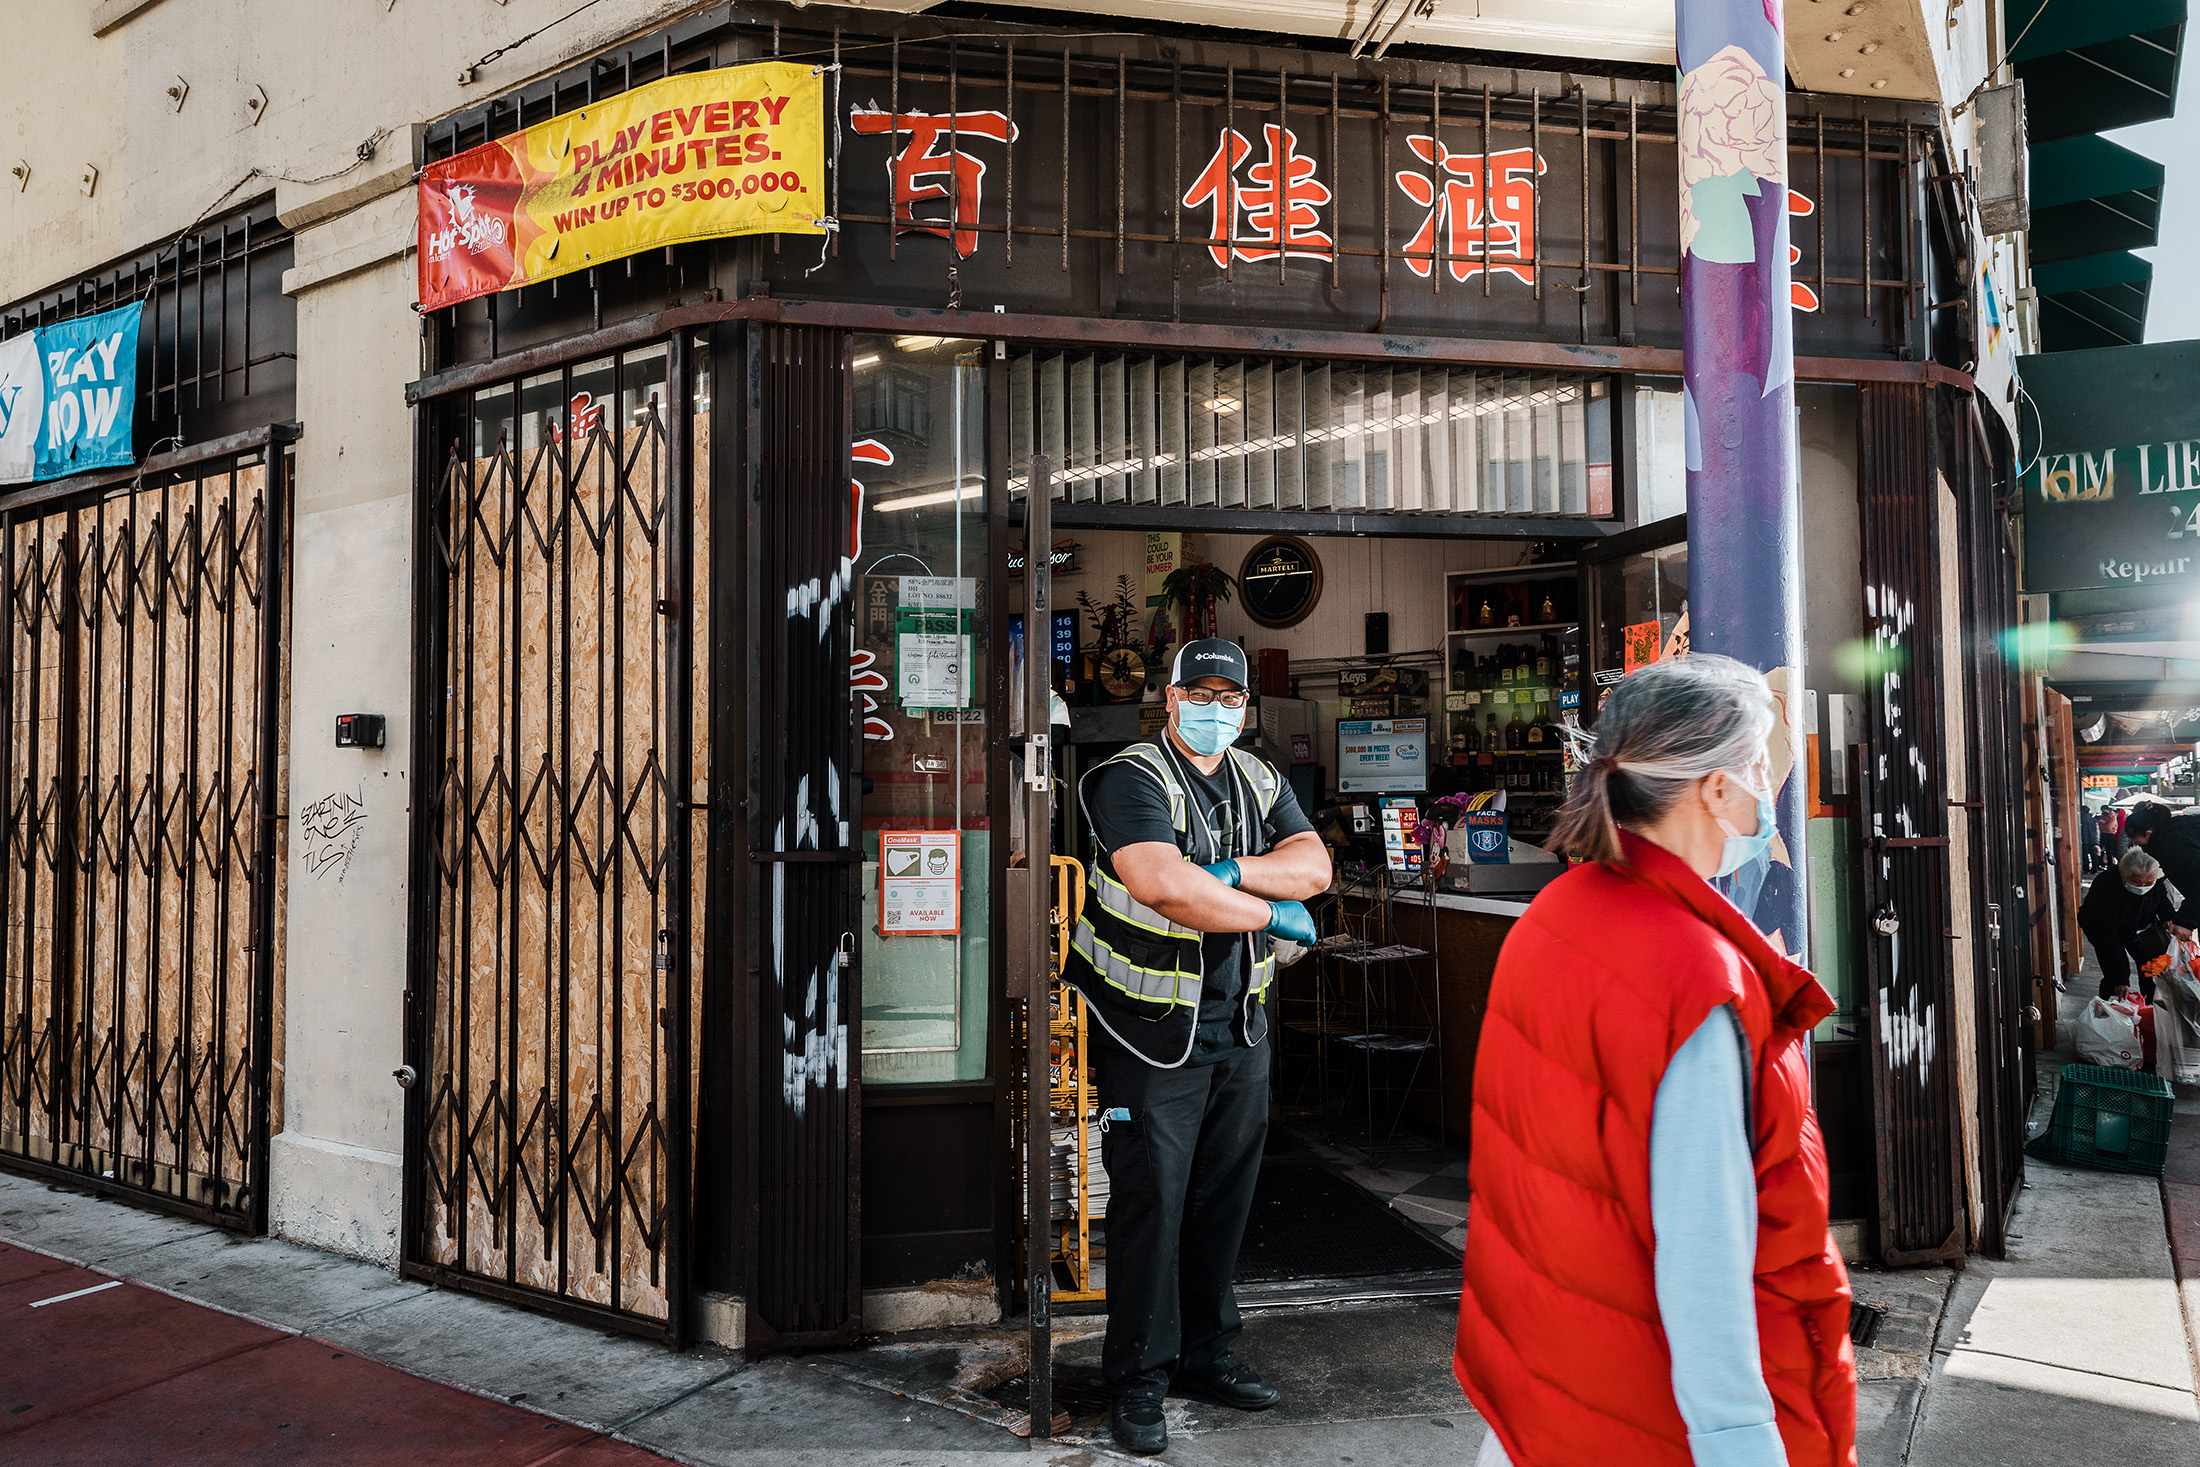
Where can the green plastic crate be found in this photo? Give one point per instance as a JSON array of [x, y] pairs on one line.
[[2114, 1119]]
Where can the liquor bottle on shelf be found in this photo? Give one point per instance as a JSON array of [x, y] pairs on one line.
[[1485, 609], [1461, 742], [1516, 732], [1459, 668], [1543, 661], [1546, 606], [1535, 734], [1493, 741]]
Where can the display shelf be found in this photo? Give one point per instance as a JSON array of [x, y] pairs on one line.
[[1514, 632]]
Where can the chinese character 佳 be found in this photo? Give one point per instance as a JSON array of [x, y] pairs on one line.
[[934, 166], [1276, 207], [1481, 227]]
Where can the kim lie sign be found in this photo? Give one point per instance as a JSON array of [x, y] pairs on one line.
[[68, 397], [2123, 516]]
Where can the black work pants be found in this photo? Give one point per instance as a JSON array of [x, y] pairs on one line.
[[1180, 1186]]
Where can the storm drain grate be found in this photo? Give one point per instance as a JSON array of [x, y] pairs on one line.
[[1864, 1322]]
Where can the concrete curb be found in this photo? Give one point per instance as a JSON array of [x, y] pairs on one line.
[[2181, 1212]]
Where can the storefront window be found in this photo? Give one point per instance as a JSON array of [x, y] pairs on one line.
[[921, 666]]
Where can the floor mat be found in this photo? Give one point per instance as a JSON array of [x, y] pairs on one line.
[[1308, 1222]]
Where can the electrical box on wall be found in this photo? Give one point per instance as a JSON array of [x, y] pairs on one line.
[[359, 730]]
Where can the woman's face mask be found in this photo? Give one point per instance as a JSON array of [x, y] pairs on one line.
[[2138, 891], [1741, 849]]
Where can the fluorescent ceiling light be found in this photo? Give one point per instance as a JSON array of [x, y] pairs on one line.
[[938, 496], [917, 343], [868, 360]]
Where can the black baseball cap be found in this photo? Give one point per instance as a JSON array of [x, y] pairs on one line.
[[1210, 657]]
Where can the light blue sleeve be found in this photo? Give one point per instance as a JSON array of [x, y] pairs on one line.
[[1703, 1205]]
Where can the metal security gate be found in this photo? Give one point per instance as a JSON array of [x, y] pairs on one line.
[[554, 924], [1996, 738], [141, 867], [805, 846], [1901, 809]]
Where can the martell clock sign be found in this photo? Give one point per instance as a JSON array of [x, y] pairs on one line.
[[1281, 581]]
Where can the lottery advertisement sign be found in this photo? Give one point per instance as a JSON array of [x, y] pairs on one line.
[[68, 397], [713, 154]]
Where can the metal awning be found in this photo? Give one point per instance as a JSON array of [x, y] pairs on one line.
[[2091, 196], [2090, 68], [2099, 300]]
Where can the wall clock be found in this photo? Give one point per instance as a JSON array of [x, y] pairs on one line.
[[1280, 582]]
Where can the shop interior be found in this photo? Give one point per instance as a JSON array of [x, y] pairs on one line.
[[1419, 703], [1416, 691]]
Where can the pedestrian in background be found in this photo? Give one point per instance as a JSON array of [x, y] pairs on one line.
[[1649, 1274], [2129, 914]]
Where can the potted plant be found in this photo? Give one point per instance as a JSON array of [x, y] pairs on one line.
[[1198, 589], [1119, 666]]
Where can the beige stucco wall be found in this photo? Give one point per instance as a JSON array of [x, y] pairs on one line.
[[334, 72]]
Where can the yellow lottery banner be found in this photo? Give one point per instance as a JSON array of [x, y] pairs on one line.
[[713, 154]]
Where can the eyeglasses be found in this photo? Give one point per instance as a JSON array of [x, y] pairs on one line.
[[1201, 697]]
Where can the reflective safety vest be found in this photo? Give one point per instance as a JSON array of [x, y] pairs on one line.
[[1141, 972]]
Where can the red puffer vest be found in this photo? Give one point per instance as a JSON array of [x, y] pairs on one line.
[[1560, 1347]]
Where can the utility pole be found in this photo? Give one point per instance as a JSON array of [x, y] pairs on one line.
[[1738, 363]]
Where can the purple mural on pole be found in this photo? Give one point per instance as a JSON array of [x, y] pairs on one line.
[[1738, 367]]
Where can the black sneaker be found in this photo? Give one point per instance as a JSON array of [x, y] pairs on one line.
[[1230, 1383], [1136, 1425]]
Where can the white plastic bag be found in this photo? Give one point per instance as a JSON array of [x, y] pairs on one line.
[[2177, 1016], [2108, 1035]]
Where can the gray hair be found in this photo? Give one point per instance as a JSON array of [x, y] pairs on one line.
[[2137, 863], [1666, 726]]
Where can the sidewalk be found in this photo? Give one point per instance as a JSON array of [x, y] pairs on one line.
[[2074, 1349], [199, 1346]]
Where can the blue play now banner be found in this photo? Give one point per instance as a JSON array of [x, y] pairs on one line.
[[68, 397]]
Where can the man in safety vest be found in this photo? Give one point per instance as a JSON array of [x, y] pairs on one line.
[[1204, 857]]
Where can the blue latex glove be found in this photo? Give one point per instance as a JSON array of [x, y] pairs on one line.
[[1225, 872], [1290, 920]]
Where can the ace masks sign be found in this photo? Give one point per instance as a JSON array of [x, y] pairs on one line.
[[68, 397]]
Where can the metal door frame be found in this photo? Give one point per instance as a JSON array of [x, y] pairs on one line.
[[76, 837]]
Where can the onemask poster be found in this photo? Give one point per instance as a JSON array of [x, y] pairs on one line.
[[68, 397]]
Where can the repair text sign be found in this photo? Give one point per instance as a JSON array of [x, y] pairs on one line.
[[739, 150]]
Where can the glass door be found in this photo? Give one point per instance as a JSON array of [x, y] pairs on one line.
[[920, 667]]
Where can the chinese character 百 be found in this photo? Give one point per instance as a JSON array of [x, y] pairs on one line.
[[1278, 205], [1466, 213], [934, 166]]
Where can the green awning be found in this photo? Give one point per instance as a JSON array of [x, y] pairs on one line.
[[2090, 66], [2090, 196], [2099, 300]]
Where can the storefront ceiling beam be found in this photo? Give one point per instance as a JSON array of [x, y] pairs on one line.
[[1147, 336]]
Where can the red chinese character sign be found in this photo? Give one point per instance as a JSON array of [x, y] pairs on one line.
[[1276, 206], [932, 165], [1482, 217]]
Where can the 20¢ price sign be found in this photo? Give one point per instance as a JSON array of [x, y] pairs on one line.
[[715, 154]]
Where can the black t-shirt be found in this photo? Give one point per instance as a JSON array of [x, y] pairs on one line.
[[1127, 805]]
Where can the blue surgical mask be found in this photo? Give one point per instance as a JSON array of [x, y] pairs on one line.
[[1740, 850], [1208, 729]]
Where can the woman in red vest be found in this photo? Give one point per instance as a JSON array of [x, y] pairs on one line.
[[1649, 1275]]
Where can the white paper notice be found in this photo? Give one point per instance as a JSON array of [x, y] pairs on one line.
[[920, 883], [932, 670], [939, 593]]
